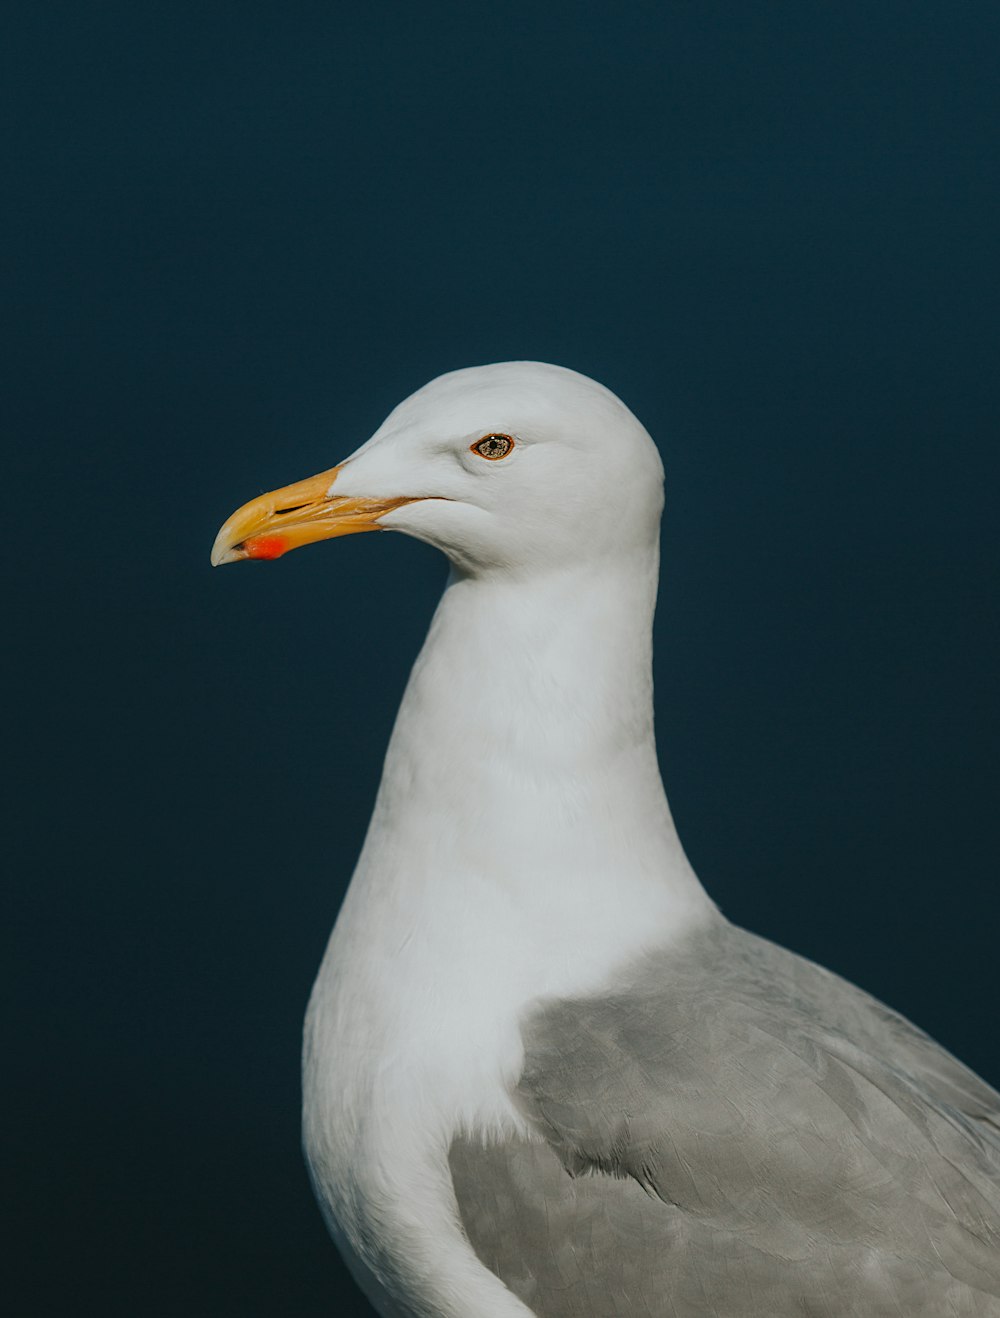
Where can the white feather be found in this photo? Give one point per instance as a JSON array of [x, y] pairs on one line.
[[521, 844]]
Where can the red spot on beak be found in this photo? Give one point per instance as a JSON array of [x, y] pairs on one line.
[[265, 546]]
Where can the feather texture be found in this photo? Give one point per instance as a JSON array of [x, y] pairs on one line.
[[744, 1134]]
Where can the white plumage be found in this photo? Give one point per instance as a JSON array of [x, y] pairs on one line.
[[521, 855]]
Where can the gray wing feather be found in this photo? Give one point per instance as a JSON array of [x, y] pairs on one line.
[[802, 1149]]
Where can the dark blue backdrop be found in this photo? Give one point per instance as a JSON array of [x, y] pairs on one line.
[[237, 235]]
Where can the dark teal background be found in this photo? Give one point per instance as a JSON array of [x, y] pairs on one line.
[[236, 236]]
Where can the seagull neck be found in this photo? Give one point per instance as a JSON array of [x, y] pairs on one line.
[[524, 744], [553, 673]]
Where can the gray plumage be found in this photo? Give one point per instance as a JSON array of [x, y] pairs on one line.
[[734, 1131]]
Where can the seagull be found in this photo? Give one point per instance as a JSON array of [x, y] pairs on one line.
[[542, 1073]]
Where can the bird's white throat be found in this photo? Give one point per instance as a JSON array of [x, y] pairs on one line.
[[521, 844]]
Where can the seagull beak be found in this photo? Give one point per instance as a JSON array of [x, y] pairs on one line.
[[296, 515]]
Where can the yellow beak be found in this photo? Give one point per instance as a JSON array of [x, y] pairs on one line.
[[296, 515]]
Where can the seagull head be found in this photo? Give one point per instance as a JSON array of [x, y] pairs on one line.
[[513, 467]]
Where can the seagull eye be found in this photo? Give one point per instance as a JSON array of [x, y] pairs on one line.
[[493, 446]]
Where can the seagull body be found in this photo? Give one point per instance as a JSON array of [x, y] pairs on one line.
[[542, 1073]]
